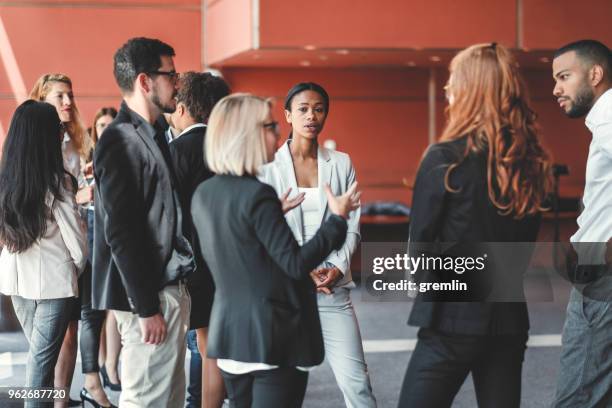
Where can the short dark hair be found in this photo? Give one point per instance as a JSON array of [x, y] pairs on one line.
[[307, 86], [31, 167], [136, 56], [200, 92], [592, 52]]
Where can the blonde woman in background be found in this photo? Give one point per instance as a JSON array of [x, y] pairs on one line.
[[56, 89]]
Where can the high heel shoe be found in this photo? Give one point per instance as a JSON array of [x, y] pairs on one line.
[[86, 396], [106, 380]]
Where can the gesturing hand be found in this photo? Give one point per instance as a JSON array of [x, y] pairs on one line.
[[342, 205], [153, 329], [290, 204]]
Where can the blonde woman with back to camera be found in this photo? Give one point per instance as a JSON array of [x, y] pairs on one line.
[[264, 327]]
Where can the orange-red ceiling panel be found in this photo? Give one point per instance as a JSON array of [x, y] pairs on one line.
[[386, 23], [228, 30], [114, 3], [550, 24]]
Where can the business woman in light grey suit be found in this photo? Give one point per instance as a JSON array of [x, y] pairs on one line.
[[299, 173]]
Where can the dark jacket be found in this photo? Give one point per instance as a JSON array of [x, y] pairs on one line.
[[190, 169], [466, 221], [135, 216], [265, 306]]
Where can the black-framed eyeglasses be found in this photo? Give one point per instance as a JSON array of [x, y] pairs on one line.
[[273, 126], [172, 75]]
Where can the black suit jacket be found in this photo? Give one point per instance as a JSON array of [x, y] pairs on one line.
[[466, 221], [135, 216], [265, 306], [190, 169]]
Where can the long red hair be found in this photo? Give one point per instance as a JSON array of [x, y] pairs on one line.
[[488, 106]]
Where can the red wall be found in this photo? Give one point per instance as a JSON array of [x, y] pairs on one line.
[[379, 113], [80, 42], [380, 117]]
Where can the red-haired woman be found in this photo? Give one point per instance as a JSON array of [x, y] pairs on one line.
[[485, 181]]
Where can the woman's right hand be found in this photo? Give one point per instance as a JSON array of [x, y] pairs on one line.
[[342, 205]]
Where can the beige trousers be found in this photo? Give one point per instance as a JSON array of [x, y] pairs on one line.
[[154, 375]]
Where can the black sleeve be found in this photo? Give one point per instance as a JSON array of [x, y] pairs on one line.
[[118, 167], [428, 196], [275, 235]]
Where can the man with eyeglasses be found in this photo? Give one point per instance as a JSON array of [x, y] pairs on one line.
[[141, 257]]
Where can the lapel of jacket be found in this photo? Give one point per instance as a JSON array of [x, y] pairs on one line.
[[287, 174], [151, 144], [325, 166]]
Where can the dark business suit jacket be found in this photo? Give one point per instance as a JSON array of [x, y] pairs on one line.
[[187, 153], [465, 221], [135, 216], [265, 307]]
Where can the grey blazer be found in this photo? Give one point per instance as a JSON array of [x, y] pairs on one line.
[[334, 168]]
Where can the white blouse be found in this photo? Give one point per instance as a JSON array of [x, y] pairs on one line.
[[310, 212]]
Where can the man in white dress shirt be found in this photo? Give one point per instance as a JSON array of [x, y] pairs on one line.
[[583, 74]]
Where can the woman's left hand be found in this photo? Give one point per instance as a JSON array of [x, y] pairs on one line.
[[290, 204], [326, 278]]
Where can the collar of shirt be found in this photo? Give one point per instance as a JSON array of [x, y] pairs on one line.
[[600, 111], [188, 128]]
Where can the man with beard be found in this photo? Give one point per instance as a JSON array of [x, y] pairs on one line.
[[583, 74], [141, 257]]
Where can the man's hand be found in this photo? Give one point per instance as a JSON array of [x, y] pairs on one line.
[[153, 329], [289, 205], [85, 195]]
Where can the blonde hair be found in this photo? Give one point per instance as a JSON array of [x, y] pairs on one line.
[[490, 109], [235, 138], [76, 128]]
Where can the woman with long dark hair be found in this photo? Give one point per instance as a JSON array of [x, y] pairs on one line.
[[303, 167], [45, 247], [485, 181]]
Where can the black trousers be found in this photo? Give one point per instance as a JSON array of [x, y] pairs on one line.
[[91, 326], [281, 387], [441, 362]]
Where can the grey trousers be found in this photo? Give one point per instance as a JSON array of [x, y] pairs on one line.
[[44, 324], [585, 374], [153, 376], [343, 348]]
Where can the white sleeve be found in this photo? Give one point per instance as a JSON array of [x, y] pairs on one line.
[[341, 258], [602, 135], [72, 229]]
